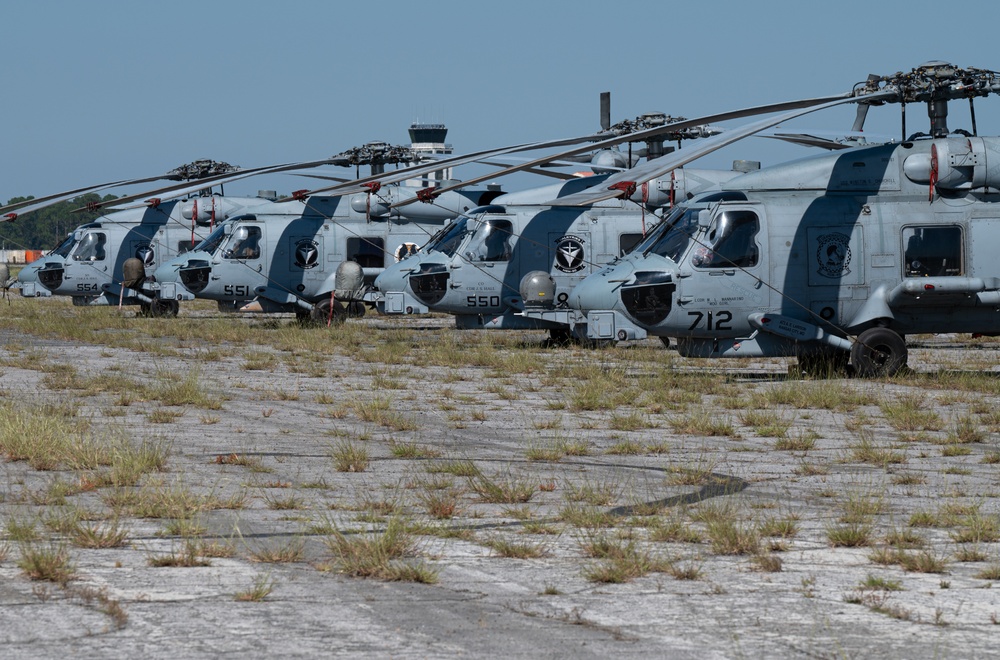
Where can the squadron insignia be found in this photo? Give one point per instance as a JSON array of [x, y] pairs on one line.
[[570, 254], [834, 255], [306, 254]]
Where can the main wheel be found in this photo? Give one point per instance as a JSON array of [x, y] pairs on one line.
[[322, 315], [160, 308], [560, 336], [356, 310], [878, 352]]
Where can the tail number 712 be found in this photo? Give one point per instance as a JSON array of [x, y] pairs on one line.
[[720, 320]]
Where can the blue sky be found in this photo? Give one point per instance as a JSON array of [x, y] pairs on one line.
[[102, 90]]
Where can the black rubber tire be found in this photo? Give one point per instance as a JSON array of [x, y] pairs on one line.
[[878, 352], [321, 312], [665, 341], [560, 336], [165, 308], [356, 310]]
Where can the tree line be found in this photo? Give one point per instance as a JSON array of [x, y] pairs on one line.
[[45, 229]]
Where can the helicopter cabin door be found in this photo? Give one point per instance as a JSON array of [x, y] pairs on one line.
[[984, 244], [729, 269]]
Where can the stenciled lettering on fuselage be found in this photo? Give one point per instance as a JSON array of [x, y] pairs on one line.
[[570, 254], [306, 254], [833, 256]]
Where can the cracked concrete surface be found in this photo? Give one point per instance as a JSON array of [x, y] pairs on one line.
[[291, 415]]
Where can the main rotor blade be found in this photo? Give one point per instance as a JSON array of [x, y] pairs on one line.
[[187, 187], [660, 166], [641, 136], [414, 171], [38, 203]]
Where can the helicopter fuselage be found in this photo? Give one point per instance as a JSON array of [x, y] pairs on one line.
[[809, 254]]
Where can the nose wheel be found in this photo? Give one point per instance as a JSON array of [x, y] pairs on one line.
[[878, 352], [160, 308]]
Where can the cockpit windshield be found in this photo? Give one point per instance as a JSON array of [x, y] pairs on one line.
[[449, 238], [491, 241], [672, 236], [64, 247], [212, 241]]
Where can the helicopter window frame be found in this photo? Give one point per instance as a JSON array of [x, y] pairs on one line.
[[491, 241], [90, 247], [731, 241], [628, 241], [244, 248], [933, 250]]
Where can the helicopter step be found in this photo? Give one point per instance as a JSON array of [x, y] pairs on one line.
[[601, 325], [32, 290], [395, 303]]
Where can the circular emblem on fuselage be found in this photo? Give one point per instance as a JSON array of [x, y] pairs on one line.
[[570, 254], [306, 254], [834, 255], [145, 254]]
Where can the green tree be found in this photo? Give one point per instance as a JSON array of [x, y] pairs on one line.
[[48, 227]]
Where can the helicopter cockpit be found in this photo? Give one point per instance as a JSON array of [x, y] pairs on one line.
[[490, 241], [63, 249], [243, 244], [90, 247], [449, 238]]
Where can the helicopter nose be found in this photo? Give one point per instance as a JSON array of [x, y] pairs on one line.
[[51, 275], [599, 290], [394, 277], [429, 282]]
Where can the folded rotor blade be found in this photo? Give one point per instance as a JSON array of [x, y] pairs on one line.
[[660, 166], [187, 187], [641, 136]]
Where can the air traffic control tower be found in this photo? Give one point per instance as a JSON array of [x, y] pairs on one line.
[[429, 139]]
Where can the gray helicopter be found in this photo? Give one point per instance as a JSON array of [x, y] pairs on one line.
[[90, 265], [513, 263], [827, 258], [314, 255]]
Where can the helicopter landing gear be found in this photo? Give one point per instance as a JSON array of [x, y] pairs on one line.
[[322, 314], [356, 310], [878, 352], [160, 309], [822, 362], [560, 336]]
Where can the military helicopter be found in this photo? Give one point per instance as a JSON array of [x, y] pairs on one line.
[[826, 258], [93, 264], [290, 256], [498, 265]]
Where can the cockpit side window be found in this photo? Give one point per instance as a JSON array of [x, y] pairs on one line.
[[730, 242], [245, 243], [91, 247], [491, 242], [932, 251]]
